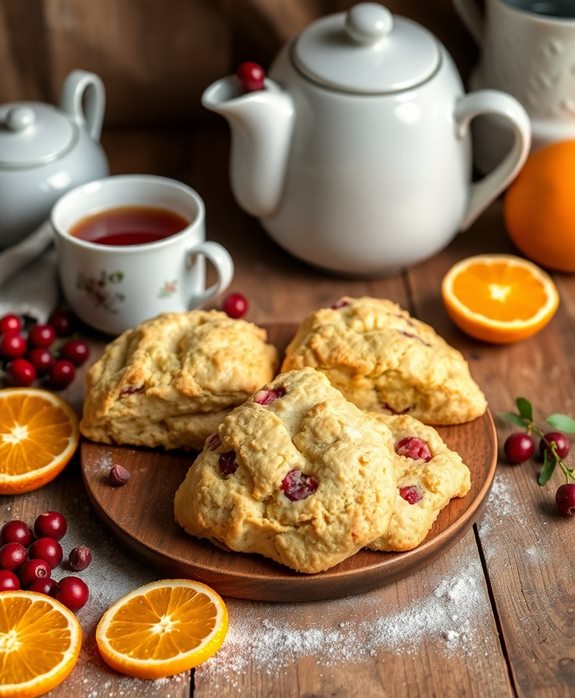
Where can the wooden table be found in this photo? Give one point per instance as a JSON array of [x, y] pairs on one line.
[[494, 616]]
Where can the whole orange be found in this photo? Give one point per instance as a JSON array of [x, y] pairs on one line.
[[539, 207]]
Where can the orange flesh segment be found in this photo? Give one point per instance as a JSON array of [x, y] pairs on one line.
[[500, 291], [191, 616]]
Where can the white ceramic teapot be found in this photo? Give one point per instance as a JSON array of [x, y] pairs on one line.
[[44, 151], [356, 156]]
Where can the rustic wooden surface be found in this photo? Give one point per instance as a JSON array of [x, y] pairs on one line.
[[519, 622]]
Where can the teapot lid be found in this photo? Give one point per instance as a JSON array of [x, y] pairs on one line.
[[367, 51], [32, 134]]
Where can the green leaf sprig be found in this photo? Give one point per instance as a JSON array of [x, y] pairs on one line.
[[551, 459]]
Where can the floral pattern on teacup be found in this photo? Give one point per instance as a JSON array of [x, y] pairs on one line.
[[168, 289], [99, 291]]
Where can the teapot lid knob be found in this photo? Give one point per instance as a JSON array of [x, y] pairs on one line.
[[368, 22], [20, 118]]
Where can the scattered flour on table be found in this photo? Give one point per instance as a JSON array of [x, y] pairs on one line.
[[355, 629]]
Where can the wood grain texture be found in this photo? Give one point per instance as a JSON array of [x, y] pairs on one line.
[[528, 547]]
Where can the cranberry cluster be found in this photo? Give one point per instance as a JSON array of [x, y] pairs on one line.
[[28, 557], [520, 447], [37, 352]]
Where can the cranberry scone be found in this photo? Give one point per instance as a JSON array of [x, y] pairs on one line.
[[170, 381], [429, 475], [297, 473], [386, 361]]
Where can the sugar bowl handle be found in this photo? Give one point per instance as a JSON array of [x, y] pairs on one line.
[[84, 99], [483, 192]]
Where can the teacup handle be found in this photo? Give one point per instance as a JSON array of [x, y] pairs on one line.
[[471, 16], [84, 99], [223, 265], [483, 192]]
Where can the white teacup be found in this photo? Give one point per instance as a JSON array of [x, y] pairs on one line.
[[112, 286], [527, 49]]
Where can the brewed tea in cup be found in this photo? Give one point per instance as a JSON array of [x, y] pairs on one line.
[[133, 246]]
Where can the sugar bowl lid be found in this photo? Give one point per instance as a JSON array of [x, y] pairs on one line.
[[367, 50], [32, 134]]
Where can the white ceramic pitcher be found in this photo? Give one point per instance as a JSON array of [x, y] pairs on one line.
[[527, 50]]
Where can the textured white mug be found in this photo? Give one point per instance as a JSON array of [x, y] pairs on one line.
[[113, 288], [528, 50]]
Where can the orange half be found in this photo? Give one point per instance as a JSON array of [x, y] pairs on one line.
[[162, 628], [40, 642], [499, 298], [38, 436]]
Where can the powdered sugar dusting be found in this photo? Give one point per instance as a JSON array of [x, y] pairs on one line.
[[501, 503], [355, 629]]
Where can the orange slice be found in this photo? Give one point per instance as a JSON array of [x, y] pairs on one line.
[[38, 436], [162, 628], [40, 641], [499, 298]]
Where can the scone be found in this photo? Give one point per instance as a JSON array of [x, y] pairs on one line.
[[429, 475], [170, 381], [383, 360], [297, 473]]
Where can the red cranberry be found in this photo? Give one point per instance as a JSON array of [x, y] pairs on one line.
[[46, 549], [41, 336], [251, 76], [227, 463], [62, 374], [413, 447], [73, 592], [561, 442], [80, 557], [21, 373], [12, 346], [265, 397], [8, 581], [33, 570], [12, 556], [76, 351], [16, 531], [235, 305], [518, 447], [296, 485], [50, 524], [411, 493], [565, 499], [45, 585], [63, 322], [10, 323], [41, 359]]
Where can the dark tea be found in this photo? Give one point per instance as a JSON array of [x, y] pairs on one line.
[[129, 225]]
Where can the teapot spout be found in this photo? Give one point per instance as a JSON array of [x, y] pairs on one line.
[[261, 124]]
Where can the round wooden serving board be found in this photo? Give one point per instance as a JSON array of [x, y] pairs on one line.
[[141, 514]]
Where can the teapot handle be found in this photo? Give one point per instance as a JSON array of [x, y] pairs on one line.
[[471, 16], [83, 99], [483, 192]]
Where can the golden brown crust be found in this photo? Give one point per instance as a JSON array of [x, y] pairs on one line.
[[170, 381], [383, 360]]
